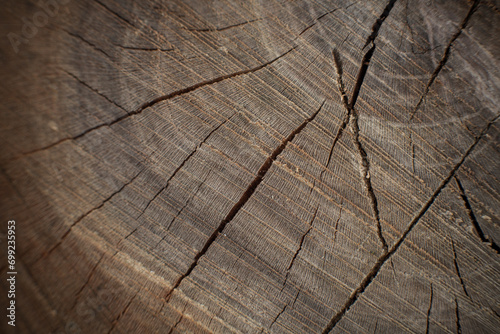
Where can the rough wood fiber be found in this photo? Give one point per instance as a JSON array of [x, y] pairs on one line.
[[253, 166]]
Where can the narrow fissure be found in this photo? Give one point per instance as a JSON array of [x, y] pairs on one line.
[[376, 26], [243, 199], [226, 27], [386, 256], [86, 214], [429, 310], [472, 217], [353, 119], [365, 169], [300, 246], [457, 269], [457, 314], [190, 155], [122, 313], [445, 57], [158, 100]]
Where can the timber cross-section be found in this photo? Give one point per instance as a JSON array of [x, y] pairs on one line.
[[252, 167]]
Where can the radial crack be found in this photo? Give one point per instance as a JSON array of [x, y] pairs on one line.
[[445, 56], [316, 20], [457, 269], [386, 256], [226, 27], [337, 224], [335, 140], [94, 90], [394, 273], [14, 188], [412, 154], [345, 102], [178, 321], [206, 83], [182, 209], [278, 315], [115, 13], [365, 63], [161, 99], [475, 224], [115, 322], [167, 183], [457, 314], [429, 309], [343, 98], [144, 49], [376, 26], [89, 277], [284, 309], [86, 214], [247, 194], [340, 84], [290, 265], [353, 117], [95, 47], [365, 170]]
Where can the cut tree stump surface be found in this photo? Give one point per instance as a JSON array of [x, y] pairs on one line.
[[251, 166]]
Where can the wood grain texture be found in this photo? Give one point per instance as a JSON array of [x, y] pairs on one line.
[[232, 166]]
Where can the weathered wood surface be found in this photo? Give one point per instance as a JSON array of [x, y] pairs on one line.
[[190, 166]]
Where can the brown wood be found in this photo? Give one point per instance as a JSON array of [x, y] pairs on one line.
[[251, 166]]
